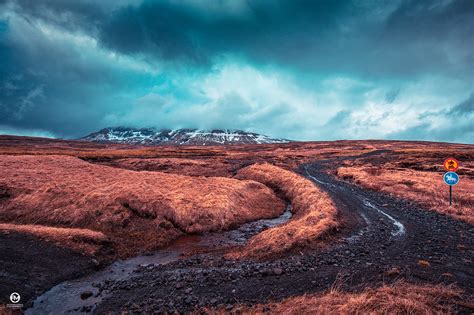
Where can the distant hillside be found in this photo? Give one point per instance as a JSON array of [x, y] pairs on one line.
[[154, 136]]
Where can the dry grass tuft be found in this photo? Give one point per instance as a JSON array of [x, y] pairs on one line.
[[398, 298], [314, 212], [82, 240], [424, 263], [190, 167], [4, 310], [144, 210], [425, 188]]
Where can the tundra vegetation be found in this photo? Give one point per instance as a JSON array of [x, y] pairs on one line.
[[129, 199]]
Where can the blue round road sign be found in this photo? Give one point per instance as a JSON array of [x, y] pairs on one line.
[[451, 178]]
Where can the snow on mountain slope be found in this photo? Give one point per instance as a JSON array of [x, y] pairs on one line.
[[154, 136]]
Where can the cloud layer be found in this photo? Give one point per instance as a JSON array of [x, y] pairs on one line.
[[305, 70]]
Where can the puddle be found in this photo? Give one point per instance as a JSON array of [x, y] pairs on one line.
[[65, 298], [240, 235], [400, 227]]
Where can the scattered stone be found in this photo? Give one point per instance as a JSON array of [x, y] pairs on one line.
[[86, 294], [393, 272], [86, 309]]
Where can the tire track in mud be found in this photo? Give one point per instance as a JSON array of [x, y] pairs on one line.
[[364, 206], [378, 234]]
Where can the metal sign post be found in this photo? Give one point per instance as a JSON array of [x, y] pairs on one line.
[[451, 179], [450, 195]]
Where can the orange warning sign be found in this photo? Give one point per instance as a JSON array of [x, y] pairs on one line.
[[451, 164]]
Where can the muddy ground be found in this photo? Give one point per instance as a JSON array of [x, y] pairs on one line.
[[381, 240], [29, 265]]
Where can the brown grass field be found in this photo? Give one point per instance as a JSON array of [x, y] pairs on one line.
[[417, 175], [421, 187], [314, 212], [87, 197], [138, 209], [154, 194], [397, 298], [190, 167], [83, 240]]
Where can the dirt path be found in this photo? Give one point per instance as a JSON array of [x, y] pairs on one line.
[[382, 240]]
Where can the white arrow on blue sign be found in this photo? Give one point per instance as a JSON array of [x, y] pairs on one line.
[[451, 178]]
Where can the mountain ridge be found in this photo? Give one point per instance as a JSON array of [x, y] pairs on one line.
[[184, 136]]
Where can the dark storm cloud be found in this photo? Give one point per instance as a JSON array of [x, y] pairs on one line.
[[463, 109], [68, 67], [339, 36], [391, 96], [457, 125], [49, 86], [453, 133], [340, 119], [259, 30], [376, 37], [430, 36], [70, 14]]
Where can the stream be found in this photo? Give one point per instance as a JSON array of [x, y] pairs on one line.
[[84, 294]]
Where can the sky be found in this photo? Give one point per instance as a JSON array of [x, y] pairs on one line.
[[295, 69]]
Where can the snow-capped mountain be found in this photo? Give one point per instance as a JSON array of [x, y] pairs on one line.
[[152, 136]]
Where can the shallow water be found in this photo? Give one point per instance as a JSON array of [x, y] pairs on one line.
[[65, 298]]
